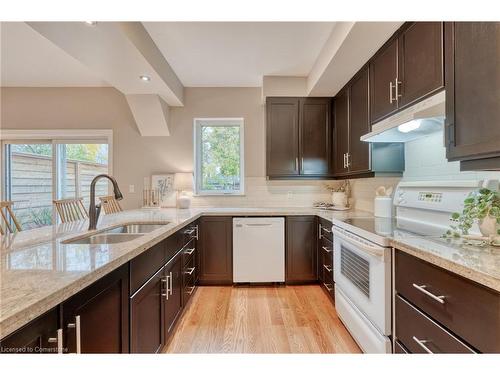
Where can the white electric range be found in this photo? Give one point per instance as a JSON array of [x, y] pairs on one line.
[[363, 254]]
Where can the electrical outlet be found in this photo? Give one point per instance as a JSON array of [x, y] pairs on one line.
[[131, 188]]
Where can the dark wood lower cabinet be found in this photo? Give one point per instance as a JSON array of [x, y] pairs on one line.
[[146, 315], [215, 246], [34, 338], [96, 320], [173, 297], [301, 249]]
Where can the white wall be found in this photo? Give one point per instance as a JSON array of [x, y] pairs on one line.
[[426, 160]]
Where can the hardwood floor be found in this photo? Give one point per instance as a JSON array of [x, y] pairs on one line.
[[291, 319]]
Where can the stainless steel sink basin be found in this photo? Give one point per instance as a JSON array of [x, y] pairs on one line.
[[105, 238], [135, 228]]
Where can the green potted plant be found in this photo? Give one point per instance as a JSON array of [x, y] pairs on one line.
[[482, 206]]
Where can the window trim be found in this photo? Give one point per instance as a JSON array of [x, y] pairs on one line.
[[198, 122]]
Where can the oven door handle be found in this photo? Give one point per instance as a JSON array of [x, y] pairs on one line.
[[376, 251]]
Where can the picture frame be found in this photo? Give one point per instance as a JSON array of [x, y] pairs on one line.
[[164, 184]]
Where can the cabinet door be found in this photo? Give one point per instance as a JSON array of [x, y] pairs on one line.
[[359, 124], [215, 250], [472, 89], [146, 315], [420, 62], [315, 136], [301, 245], [173, 297], [96, 320], [282, 136], [383, 75], [341, 130], [34, 337]]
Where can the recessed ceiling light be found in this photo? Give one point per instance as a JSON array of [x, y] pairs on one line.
[[91, 23], [145, 78]]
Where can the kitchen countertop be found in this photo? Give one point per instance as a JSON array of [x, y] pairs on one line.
[[38, 271]]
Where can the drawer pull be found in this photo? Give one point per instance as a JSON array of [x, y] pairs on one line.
[[190, 290], [421, 288], [328, 268], [326, 249], [190, 271], [328, 287], [422, 343], [189, 251], [326, 230]]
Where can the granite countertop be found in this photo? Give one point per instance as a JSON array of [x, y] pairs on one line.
[[38, 271], [477, 263]]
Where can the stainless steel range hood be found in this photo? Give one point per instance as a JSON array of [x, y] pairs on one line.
[[419, 120]]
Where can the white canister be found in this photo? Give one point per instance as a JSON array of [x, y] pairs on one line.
[[383, 207], [339, 199]]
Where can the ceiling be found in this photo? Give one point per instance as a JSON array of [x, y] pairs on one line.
[[29, 60], [231, 54]]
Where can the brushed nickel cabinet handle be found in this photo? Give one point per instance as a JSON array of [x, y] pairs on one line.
[[191, 270], [77, 326], [422, 343], [421, 288], [320, 235], [297, 164], [191, 290], [326, 230], [189, 251], [328, 268], [329, 288], [326, 249], [391, 98], [398, 95], [58, 340], [171, 290]]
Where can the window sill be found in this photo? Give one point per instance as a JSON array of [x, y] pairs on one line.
[[219, 195]]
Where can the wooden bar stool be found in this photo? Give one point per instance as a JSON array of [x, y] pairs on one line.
[[7, 215], [71, 209], [110, 204]]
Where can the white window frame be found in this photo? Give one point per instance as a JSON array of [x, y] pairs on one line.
[[222, 122]]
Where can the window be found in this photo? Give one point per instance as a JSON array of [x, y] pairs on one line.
[[36, 171], [218, 156]]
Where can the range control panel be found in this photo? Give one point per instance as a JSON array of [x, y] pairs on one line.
[[426, 196]]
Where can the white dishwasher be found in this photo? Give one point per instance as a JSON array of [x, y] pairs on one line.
[[258, 249]]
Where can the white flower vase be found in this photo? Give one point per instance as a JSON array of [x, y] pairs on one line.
[[488, 226]]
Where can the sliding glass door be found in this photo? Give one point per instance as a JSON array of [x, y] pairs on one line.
[[34, 173]]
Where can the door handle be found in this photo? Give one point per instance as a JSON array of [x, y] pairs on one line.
[[77, 326], [58, 340]]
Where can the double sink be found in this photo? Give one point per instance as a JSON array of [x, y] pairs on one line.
[[123, 233]]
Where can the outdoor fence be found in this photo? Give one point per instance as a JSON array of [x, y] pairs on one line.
[[32, 185]]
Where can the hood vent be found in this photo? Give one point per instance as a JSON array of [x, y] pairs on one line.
[[419, 120]]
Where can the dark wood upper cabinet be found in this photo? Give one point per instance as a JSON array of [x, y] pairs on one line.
[[173, 293], [383, 77], [420, 61], [359, 124], [37, 337], [473, 93], [282, 136], [215, 246], [315, 136], [96, 320], [146, 315], [299, 137], [301, 245], [341, 137], [408, 68]]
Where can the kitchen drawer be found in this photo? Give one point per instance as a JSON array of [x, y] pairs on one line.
[[189, 251], [325, 229], [420, 334], [399, 348], [146, 265], [469, 310], [188, 233]]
